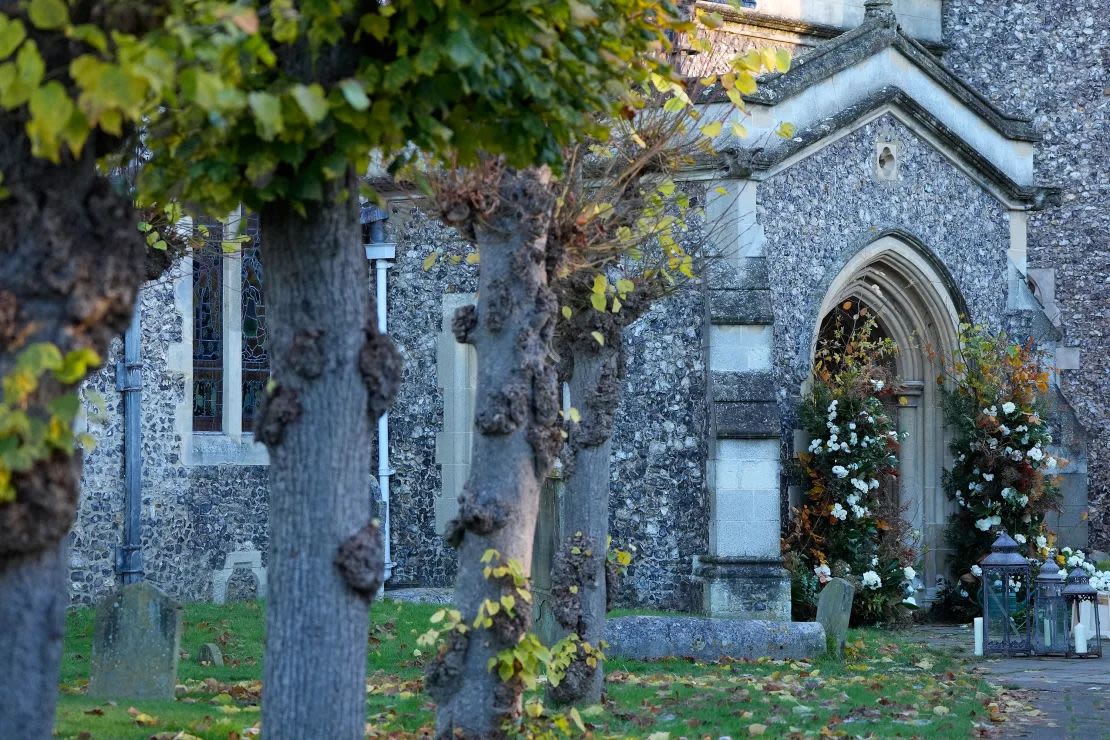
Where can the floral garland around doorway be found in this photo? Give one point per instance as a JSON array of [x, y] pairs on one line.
[[1003, 477], [850, 525]]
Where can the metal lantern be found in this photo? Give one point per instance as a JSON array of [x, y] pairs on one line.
[[1084, 630], [1051, 615], [1005, 599]]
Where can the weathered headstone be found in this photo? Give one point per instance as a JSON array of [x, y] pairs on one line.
[[136, 639], [210, 654], [834, 609]]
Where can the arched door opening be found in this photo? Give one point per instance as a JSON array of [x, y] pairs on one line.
[[914, 305]]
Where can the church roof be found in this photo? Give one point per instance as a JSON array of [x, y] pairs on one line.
[[874, 68]]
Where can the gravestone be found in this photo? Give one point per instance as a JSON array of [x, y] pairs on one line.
[[210, 654], [136, 639], [834, 609]]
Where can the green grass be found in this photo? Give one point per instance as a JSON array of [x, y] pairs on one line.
[[888, 686]]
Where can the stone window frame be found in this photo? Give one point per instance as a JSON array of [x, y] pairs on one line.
[[232, 445], [456, 376]]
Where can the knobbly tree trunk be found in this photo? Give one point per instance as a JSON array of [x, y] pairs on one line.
[[71, 261], [519, 434], [580, 561], [332, 375], [594, 371]]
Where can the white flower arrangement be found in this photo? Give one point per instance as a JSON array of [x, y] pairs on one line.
[[839, 512], [871, 580]]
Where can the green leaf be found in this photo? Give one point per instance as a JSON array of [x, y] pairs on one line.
[[89, 34], [50, 109], [48, 14], [39, 357], [460, 48], [267, 114], [598, 337], [76, 365], [601, 284], [311, 100], [567, 313], [355, 93], [597, 300], [12, 33], [65, 406], [18, 81]]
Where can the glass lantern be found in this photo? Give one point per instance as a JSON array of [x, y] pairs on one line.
[[1051, 615], [1085, 632], [1005, 599]]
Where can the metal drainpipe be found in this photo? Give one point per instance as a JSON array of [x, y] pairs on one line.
[[381, 252], [129, 382]]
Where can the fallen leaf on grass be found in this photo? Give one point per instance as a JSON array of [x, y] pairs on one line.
[[142, 719], [95, 710], [940, 711], [757, 729]]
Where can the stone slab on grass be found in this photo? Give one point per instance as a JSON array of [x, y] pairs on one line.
[[704, 638]]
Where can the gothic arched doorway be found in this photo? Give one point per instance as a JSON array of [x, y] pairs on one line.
[[916, 306]]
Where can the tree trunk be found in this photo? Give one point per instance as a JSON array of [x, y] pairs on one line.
[[517, 420], [579, 573], [71, 261], [332, 375], [33, 597]]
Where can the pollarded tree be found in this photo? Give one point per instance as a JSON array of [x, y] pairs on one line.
[[635, 237], [277, 106]]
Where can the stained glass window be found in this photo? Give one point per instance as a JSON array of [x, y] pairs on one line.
[[208, 333], [256, 361]]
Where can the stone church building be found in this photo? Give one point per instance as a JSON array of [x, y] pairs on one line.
[[949, 160]]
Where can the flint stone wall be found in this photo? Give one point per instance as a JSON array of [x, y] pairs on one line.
[[1049, 61]]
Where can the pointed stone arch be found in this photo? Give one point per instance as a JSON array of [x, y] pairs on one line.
[[917, 304]]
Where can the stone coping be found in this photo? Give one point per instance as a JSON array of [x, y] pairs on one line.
[[709, 639]]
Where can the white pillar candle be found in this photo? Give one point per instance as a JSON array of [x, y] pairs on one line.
[[1085, 615], [1047, 633], [1080, 638], [979, 636]]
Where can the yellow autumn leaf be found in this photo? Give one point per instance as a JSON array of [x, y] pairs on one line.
[[567, 313], [598, 337], [429, 261], [711, 130]]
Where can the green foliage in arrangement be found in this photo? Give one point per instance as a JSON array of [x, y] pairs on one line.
[[1003, 476]]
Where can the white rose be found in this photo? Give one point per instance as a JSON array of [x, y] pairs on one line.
[[976, 571], [983, 524], [909, 573], [840, 471], [872, 484], [839, 512], [877, 384], [859, 485], [1019, 538], [872, 580], [1008, 407], [1042, 541]]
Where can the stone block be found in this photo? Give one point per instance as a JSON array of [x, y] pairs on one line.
[[747, 420], [759, 475], [747, 537], [834, 610], [743, 386], [740, 348], [740, 307], [136, 638], [744, 587], [747, 450], [700, 638]]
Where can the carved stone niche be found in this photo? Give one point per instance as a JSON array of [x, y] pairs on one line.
[[240, 560]]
